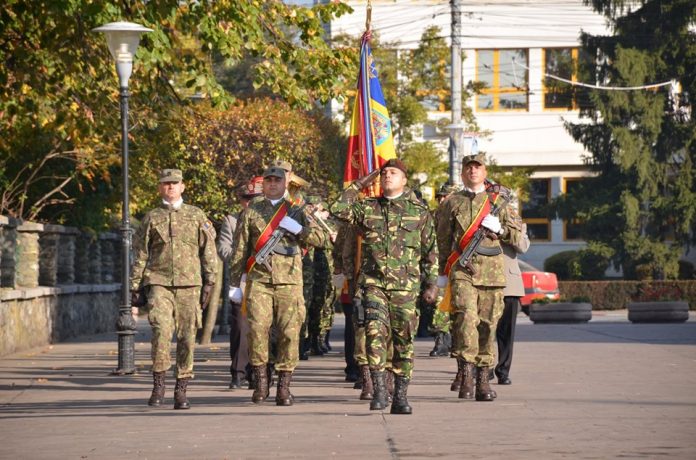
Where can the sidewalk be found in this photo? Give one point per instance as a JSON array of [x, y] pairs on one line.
[[604, 389]]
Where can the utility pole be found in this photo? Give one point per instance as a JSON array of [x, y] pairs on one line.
[[456, 128]]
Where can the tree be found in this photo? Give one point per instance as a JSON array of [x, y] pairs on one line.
[[59, 97], [220, 149], [642, 204]]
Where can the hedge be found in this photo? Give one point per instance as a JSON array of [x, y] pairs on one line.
[[615, 295]]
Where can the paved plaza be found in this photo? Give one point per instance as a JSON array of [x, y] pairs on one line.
[[605, 389]]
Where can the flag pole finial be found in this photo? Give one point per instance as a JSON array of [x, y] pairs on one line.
[[368, 19]]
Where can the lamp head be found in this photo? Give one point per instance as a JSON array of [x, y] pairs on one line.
[[122, 39]]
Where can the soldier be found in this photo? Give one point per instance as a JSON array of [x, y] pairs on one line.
[[272, 295], [239, 350], [440, 323], [398, 242], [477, 294], [175, 255]]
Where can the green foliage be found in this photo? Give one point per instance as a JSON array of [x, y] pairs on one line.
[[559, 264], [59, 110], [644, 194], [219, 150], [615, 295], [424, 157], [589, 263]]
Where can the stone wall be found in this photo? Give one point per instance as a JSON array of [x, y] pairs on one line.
[[55, 283]]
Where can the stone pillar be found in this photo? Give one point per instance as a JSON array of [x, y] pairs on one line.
[[83, 257], [94, 264], [8, 249], [49, 241], [27, 254], [66, 255], [106, 243]]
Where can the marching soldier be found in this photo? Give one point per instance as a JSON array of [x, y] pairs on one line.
[[273, 294], [398, 242], [175, 255], [477, 292]]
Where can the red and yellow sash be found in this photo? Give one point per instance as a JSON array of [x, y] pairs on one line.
[[446, 303], [267, 232]]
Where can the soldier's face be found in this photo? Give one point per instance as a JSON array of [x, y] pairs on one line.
[[171, 191], [474, 174], [393, 181], [273, 187]]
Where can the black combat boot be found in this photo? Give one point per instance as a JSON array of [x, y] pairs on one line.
[[483, 388], [260, 384], [367, 388], [283, 395], [315, 347], [466, 390], [400, 404], [389, 382], [326, 341], [440, 348], [379, 398], [180, 400], [157, 396], [457, 382], [304, 349]]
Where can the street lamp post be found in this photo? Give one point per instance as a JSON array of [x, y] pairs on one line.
[[123, 39]]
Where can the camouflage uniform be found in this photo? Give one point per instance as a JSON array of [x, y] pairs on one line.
[[398, 242], [477, 299], [323, 294], [174, 256], [273, 297]]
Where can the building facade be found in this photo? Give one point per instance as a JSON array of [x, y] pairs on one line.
[[510, 46]]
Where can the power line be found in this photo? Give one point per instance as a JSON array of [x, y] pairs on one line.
[[606, 88]]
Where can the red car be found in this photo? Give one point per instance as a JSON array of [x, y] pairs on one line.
[[537, 285]]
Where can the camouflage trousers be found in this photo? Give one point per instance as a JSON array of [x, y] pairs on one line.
[[321, 312], [477, 310], [174, 309], [441, 319], [390, 314], [281, 306], [360, 350]]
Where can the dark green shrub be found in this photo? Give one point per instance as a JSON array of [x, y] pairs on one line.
[[560, 264], [686, 270], [615, 295]]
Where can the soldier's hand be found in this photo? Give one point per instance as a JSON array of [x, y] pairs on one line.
[[137, 299], [205, 295], [366, 181], [430, 294]]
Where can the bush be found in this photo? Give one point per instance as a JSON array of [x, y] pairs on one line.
[[686, 270], [559, 264], [615, 295]]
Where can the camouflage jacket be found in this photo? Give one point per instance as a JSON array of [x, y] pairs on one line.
[[453, 217], [287, 269], [174, 247], [398, 240]]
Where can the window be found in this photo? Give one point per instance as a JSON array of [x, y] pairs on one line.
[[572, 229], [538, 225], [563, 63], [506, 81]]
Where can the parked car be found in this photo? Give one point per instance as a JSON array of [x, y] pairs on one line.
[[538, 284]]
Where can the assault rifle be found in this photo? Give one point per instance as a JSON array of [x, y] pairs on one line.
[[504, 196], [263, 256]]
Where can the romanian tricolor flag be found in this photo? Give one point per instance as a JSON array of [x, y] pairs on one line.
[[371, 142]]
